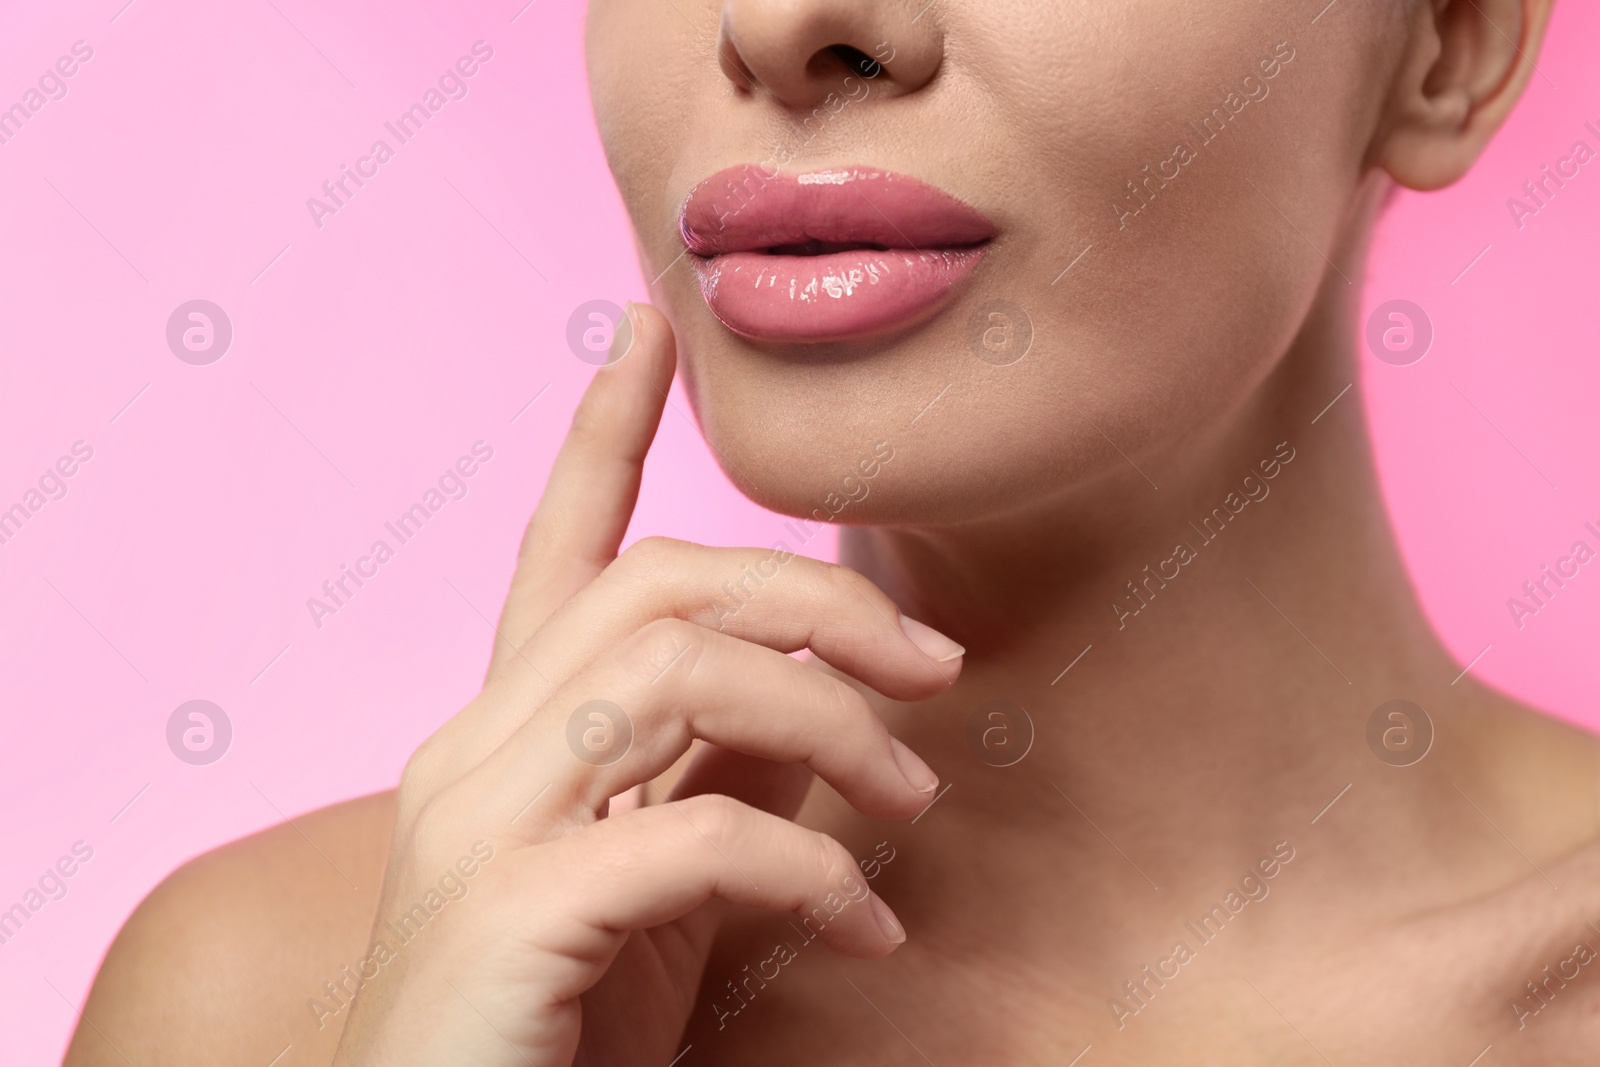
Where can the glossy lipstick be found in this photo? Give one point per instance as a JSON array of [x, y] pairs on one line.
[[827, 256]]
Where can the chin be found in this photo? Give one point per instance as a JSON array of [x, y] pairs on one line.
[[841, 463]]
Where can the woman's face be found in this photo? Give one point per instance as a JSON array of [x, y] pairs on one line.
[[1156, 189]]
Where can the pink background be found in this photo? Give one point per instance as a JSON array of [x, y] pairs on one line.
[[416, 322]]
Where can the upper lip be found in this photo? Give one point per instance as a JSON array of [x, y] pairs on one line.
[[742, 209]]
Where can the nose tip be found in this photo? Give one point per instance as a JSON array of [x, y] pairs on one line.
[[799, 51]]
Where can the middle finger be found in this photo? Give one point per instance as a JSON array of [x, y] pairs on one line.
[[673, 682]]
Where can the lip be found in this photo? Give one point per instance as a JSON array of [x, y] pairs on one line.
[[763, 250]]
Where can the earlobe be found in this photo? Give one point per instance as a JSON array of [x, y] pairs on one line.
[[1466, 62]]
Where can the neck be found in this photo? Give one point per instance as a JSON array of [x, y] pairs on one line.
[[1198, 637]]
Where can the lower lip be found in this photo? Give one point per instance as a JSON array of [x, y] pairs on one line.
[[834, 297]]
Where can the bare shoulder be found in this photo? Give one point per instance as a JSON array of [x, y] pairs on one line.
[[217, 966], [1539, 775], [1537, 939]]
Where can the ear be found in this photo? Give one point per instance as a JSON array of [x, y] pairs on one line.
[[1465, 64]]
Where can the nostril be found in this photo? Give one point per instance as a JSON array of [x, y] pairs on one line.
[[856, 60], [798, 52]]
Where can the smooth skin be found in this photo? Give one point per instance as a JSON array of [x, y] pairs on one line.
[[1173, 751]]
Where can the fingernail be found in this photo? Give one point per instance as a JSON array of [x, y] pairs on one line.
[[935, 645], [912, 769], [893, 932]]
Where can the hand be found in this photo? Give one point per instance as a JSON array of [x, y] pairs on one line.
[[553, 933]]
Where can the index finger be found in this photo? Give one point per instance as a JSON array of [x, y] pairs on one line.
[[590, 496]]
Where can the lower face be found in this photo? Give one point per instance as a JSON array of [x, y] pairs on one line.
[[1071, 222]]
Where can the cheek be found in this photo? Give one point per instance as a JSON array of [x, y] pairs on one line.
[[647, 71], [1202, 248]]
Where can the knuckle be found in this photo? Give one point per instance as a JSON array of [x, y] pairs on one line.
[[432, 829], [537, 546], [829, 864], [589, 425], [833, 859], [661, 643], [420, 771], [649, 557], [714, 816], [842, 703], [848, 581]]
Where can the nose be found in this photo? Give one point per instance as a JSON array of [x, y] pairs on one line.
[[799, 51]]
